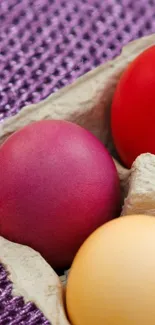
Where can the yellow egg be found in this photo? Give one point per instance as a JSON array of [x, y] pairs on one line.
[[112, 278]]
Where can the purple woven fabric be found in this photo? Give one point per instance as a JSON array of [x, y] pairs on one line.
[[13, 311], [46, 44]]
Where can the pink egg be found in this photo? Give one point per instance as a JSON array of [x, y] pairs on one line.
[[58, 183]]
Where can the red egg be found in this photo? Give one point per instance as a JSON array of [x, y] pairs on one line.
[[133, 109], [58, 183]]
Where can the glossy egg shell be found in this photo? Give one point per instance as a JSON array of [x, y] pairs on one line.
[[58, 183], [112, 278], [133, 109]]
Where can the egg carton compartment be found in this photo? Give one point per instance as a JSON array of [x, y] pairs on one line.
[[30, 291], [87, 103]]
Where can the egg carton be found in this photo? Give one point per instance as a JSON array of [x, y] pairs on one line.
[[86, 102]]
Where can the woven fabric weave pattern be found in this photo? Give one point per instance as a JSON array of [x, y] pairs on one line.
[[46, 44], [13, 310]]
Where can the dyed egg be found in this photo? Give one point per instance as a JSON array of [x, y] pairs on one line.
[[112, 278], [133, 109], [58, 183]]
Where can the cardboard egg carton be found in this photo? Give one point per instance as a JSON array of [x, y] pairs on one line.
[[86, 102]]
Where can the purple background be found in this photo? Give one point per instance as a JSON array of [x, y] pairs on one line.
[[13, 310], [46, 44]]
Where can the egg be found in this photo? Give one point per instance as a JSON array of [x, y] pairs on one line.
[[112, 278], [58, 183], [133, 109]]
